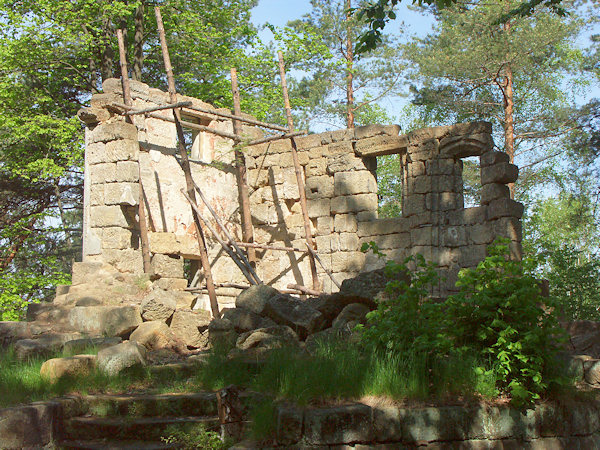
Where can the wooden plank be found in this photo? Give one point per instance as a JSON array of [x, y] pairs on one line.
[[185, 165], [188, 111], [300, 181]]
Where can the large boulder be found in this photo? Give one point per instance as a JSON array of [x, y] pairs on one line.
[[245, 320], [350, 316], [221, 333], [369, 287], [77, 346], [115, 359], [158, 305], [584, 337], [255, 298], [106, 320], [191, 327], [259, 342], [78, 365], [44, 345], [13, 331], [155, 335], [290, 311]]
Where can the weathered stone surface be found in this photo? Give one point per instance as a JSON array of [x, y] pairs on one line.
[[591, 371], [493, 191], [353, 203], [117, 238], [255, 298], [381, 145], [350, 183], [29, 427], [13, 331], [289, 424], [158, 305], [502, 173], [286, 310], [465, 146], [264, 339], [121, 194], [93, 115], [338, 425], [117, 358], [78, 365], [319, 187], [244, 320], [155, 335], [468, 128], [369, 286], [221, 333], [504, 207], [44, 345], [168, 266], [351, 315], [345, 223], [105, 320], [108, 216], [318, 207], [584, 337], [492, 158], [347, 261], [168, 284], [77, 346], [191, 327], [113, 131], [367, 131], [343, 162]]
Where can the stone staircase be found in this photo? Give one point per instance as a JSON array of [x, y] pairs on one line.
[[137, 421]]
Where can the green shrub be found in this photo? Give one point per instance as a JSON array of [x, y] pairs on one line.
[[197, 437], [500, 315]]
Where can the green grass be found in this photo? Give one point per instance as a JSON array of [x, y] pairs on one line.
[[21, 382]]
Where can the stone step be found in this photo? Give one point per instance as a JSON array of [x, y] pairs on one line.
[[48, 313], [104, 444], [144, 405], [44, 345], [131, 428]]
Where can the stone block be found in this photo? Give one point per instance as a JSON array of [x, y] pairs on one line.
[[419, 185], [96, 197], [95, 153], [127, 171], [114, 131], [116, 237], [417, 168], [78, 365], [29, 427], [113, 360], [493, 191], [103, 173], [502, 173], [354, 203], [344, 162], [347, 261], [387, 424], [319, 207], [509, 227], [442, 167], [466, 145], [367, 131], [346, 134], [345, 223], [122, 150], [455, 236], [325, 225], [280, 146], [264, 214], [367, 216], [444, 201], [319, 187], [504, 207], [481, 233], [472, 255], [294, 220], [310, 141], [258, 177], [324, 243], [108, 216], [424, 151], [316, 167], [168, 266], [121, 194], [338, 425], [383, 226], [336, 148], [155, 335], [191, 327], [168, 284], [102, 100], [458, 129], [165, 243], [350, 183], [426, 235], [289, 424], [474, 215], [413, 204], [381, 145], [92, 116], [127, 260], [105, 320], [348, 242], [448, 257], [493, 158]]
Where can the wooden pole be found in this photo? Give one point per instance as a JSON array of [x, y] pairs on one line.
[[304, 290], [185, 165], [236, 116], [157, 108], [272, 247], [303, 206], [238, 261], [240, 166], [144, 239], [327, 271]]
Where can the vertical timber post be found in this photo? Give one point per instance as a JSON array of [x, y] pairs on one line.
[[144, 241], [300, 181], [185, 165], [240, 165]]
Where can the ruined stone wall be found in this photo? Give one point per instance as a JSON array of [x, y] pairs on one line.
[[339, 170]]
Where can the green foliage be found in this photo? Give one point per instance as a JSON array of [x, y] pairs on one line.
[[500, 315], [197, 437], [497, 319]]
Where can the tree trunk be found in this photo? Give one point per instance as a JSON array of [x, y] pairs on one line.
[[138, 44], [349, 68], [509, 120], [107, 53]]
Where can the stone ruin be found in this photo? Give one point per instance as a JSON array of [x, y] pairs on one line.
[[339, 170]]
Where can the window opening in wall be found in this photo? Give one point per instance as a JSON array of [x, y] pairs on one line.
[[389, 185], [192, 272], [471, 176]]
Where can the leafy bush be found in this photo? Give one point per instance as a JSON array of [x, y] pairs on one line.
[[197, 437], [500, 315], [497, 318]]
